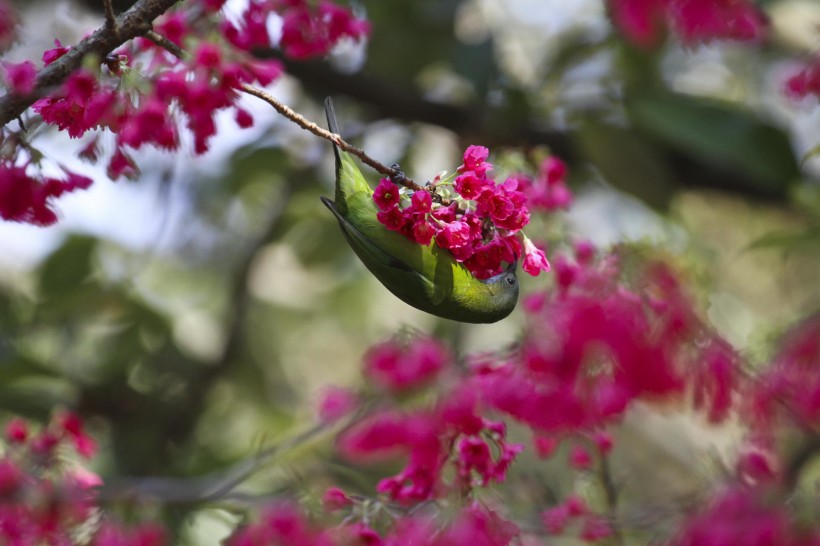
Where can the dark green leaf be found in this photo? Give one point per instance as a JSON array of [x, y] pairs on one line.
[[721, 134]]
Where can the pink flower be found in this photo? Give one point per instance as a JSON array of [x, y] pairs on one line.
[[311, 33], [421, 202], [579, 458], [16, 431], [806, 82], [554, 170], [454, 235], [604, 441], [386, 195], [400, 367], [555, 519], [640, 20], [335, 499], [475, 160], [20, 77], [173, 26], [121, 164], [545, 446], [51, 55], [335, 403], [243, 118], [705, 20], [741, 515], [150, 124], [84, 478], [208, 56], [535, 260], [469, 185], [756, 465], [478, 525], [27, 198], [423, 231], [264, 71], [72, 426], [391, 218], [595, 528]]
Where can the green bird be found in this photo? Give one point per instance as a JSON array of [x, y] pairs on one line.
[[426, 277]]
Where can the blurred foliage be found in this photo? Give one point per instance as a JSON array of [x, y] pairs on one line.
[[192, 357]]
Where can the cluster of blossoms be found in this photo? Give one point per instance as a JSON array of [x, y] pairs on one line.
[[146, 108], [596, 345], [806, 82], [286, 525], [741, 515], [790, 386], [27, 197], [44, 500], [453, 432], [644, 22], [479, 221]]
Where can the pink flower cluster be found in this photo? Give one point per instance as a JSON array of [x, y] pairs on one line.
[[643, 22], [453, 434], [573, 510], [595, 346], [481, 226], [547, 192], [199, 87], [286, 525], [743, 515], [311, 30], [20, 77], [398, 366], [26, 195], [35, 508], [147, 108], [45, 502], [806, 82], [790, 386]]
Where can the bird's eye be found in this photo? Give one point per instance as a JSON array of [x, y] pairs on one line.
[[511, 281]]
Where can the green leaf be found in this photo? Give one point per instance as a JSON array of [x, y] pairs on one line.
[[787, 240], [628, 162], [67, 267], [719, 133]]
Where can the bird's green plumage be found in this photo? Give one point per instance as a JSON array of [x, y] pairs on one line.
[[426, 277]]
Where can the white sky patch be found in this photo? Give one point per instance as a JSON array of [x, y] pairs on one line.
[[135, 214]]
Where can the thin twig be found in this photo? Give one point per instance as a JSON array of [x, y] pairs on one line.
[[204, 488], [611, 498], [110, 18], [299, 120], [393, 172], [167, 44]]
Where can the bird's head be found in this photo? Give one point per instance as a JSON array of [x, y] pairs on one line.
[[504, 290]]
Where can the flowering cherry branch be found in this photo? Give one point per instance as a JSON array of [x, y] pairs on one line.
[[129, 25], [297, 118]]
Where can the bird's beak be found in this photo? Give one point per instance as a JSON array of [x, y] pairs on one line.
[[511, 268]]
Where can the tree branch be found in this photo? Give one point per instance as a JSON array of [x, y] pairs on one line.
[[131, 24], [394, 173], [499, 126]]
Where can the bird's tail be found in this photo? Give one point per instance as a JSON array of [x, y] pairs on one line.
[[349, 179], [333, 126]]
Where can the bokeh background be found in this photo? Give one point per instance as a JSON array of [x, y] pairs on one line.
[[195, 315]]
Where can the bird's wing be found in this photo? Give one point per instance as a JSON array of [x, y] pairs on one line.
[[394, 273]]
